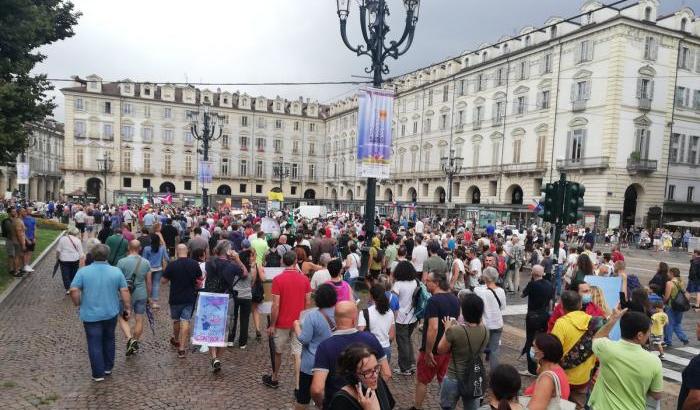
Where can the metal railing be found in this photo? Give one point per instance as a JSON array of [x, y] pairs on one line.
[[644, 103], [640, 164], [584, 163]]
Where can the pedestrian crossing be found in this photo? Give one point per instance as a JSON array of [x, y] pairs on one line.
[[675, 360]]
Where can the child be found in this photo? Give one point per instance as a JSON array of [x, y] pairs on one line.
[[659, 319]]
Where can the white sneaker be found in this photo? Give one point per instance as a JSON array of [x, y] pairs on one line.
[[204, 349], [28, 269]]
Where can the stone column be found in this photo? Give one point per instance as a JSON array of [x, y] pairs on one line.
[[34, 188]]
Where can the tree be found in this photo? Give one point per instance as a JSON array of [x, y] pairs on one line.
[[26, 25]]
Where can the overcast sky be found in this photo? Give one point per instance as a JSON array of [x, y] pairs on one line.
[[272, 40]]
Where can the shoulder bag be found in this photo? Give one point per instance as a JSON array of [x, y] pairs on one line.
[[473, 377], [556, 402]]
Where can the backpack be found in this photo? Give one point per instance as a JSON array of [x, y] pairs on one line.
[[501, 265], [379, 256], [420, 300], [6, 227], [583, 348], [273, 259], [473, 377], [680, 302]]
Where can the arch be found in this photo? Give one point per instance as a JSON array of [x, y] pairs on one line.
[[167, 187], [412, 194], [499, 95], [439, 195], [334, 194], [541, 129], [647, 70], [647, 13], [93, 187], [582, 74], [521, 90], [578, 122], [309, 194], [684, 23], [348, 195], [388, 195], [518, 132], [642, 121], [474, 195], [514, 194], [629, 208], [223, 190]]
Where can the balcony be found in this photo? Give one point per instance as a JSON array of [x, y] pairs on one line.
[[459, 128], [578, 105], [644, 103], [524, 167], [476, 125], [641, 165], [583, 163], [481, 170], [499, 121]]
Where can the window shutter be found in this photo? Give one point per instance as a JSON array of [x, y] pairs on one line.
[[646, 144], [654, 49], [651, 89], [526, 70], [494, 112], [681, 150], [569, 147], [589, 57], [588, 90], [573, 91], [584, 137], [686, 98], [543, 62], [691, 58], [539, 100], [515, 105], [639, 88], [525, 105]]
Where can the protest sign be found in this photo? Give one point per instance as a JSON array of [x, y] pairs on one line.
[[210, 319], [610, 287]]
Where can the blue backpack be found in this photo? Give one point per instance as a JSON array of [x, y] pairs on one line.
[[420, 300]]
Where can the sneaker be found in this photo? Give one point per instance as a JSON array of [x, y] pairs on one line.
[[204, 349], [28, 269], [215, 365], [267, 381], [68, 292], [402, 372], [98, 379], [242, 347], [130, 350], [181, 354], [108, 372], [229, 344], [137, 347], [686, 342], [17, 274]]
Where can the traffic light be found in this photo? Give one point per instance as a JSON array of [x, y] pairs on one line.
[[573, 202], [551, 200]]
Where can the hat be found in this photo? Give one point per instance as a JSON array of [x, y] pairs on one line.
[[245, 244]]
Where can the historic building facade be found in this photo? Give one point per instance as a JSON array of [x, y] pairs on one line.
[[611, 98]]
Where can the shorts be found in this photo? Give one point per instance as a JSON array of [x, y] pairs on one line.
[[303, 393], [693, 286], [29, 246], [89, 228], [137, 306], [13, 249], [182, 311], [656, 340], [80, 226], [425, 374], [284, 336]]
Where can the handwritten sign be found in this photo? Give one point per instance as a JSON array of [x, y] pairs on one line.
[[210, 319]]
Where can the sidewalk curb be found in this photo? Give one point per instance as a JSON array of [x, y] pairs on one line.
[[37, 260]]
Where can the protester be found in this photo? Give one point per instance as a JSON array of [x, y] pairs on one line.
[[379, 319], [628, 373], [494, 299], [70, 256], [364, 387], [504, 383], [291, 293], [675, 317], [14, 231], [157, 257], [137, 273], [457, 271], [689, 396], [694, 278], [29, 239], [434, 263], [658, 283], [259, 244], [242, 297], [404, 287], [96, 289], [352, 262], [342, 288], [539, 293], [118, 246], [551, 381], [588, 306], [465, 344], [321, 275], [317, 326], [584, 267], [419, 255]]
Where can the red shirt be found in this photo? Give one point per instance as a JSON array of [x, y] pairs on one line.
[[292, 287], [617, 256], [468, 236], [563, 382]]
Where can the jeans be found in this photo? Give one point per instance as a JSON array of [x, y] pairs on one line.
[[675, 319], [387, 353], [242, 307], [557, 280], [68, 270], [100, 341], [493, 346], [407, 357], [535, 322], [450, 393], [155, 284], [513, 279]]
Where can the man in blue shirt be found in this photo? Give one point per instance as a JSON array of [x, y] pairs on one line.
[[96, 289], [490, 229], [29, 239]]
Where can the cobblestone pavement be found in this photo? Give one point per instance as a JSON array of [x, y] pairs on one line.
[[44, 363]]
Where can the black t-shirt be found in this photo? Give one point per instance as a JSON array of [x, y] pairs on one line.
[[221, 275], [182, 274], [691, 380], [538, 293], [439, 305], [169, 233]]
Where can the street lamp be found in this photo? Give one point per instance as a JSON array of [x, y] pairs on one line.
[[281, 171], [451, 166], [210, 121], [104, 165], [373, 15]]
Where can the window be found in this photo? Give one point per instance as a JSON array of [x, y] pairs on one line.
[[430, 98], [147, 134], [484, 56], [693, 150], [426, 160], [553, 32], [520, 105], [147, 111], [79, 158], [414, 161], [460, 118], [167, 163], [478, 115], [312, 148], [443, 121], [647, 13], [675, 147], [505, 49], [223, 167], [651, 48], [428, 124], [188, 164], [312, 171], [682, 96], [495, 152], [541, 140], [671, 192], [691, 191], [168, 136], [79, 129], [415, 127], [416, 101], [146, 161], [528, 41], [546, 66], [576, 145], [259, 169], [127, 109], [580, 90], [312, 127], [296, 125], [188, 185], [262, 123], [242, 188], [126, 161], [295, 171], [79, 106], [126, 182], [480, 84], [278, 124], [260, 144], [460, 88], [167, 113], [107, 107], [243, 168], [685, 59], [499, 112], [107, 131], [146, 182], [684, 23], [243, 141], [244, 120], [445, 93], [403, 130], [641, 144], [645, 88], [543, 98], [523, 70], [500, 76], [258, 189], [696, 94], [517, 145], [277, 145], [585, 51]]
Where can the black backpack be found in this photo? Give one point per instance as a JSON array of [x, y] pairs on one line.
[[379, 256], [6, 227], [273, 259]]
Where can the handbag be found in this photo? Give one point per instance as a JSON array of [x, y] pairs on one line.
[[130, 283], [680, 302], [556, 402]]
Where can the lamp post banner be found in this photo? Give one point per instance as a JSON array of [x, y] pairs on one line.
[[376, 108], [206, 172], [22, 173]]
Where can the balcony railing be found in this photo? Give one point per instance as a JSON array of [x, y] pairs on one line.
[[459, 128], [476, 125], [644, 103], [524, 167], [578, 105], [583, 163], [641, 165], [498, 121], [481, 170]]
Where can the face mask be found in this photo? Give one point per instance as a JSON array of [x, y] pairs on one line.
[[532, 353], [586, 298]]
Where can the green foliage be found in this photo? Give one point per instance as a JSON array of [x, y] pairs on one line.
[[635, 156], [26, 25], [50, 224]]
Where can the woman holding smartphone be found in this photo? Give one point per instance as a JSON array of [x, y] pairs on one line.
[[364, 388]]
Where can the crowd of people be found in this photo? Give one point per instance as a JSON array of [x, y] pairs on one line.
[[444, 278]]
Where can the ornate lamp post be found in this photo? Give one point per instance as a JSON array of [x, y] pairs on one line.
[[281, 170], [207, 134], [451, 166], [104, 165], [373, 15]]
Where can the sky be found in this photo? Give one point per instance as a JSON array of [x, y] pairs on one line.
[[273, 41]]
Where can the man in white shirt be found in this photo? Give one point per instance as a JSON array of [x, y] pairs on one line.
[[494, 299], [128, 217], [419, 255], [419, 226], [474, 268], [80, 217]]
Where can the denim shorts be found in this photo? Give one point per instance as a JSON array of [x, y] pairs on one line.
[[137, 306], [181, 312]]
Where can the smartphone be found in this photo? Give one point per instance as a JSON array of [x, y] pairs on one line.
[[125, 315]]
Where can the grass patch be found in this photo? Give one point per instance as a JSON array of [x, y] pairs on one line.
[[44, 237]]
